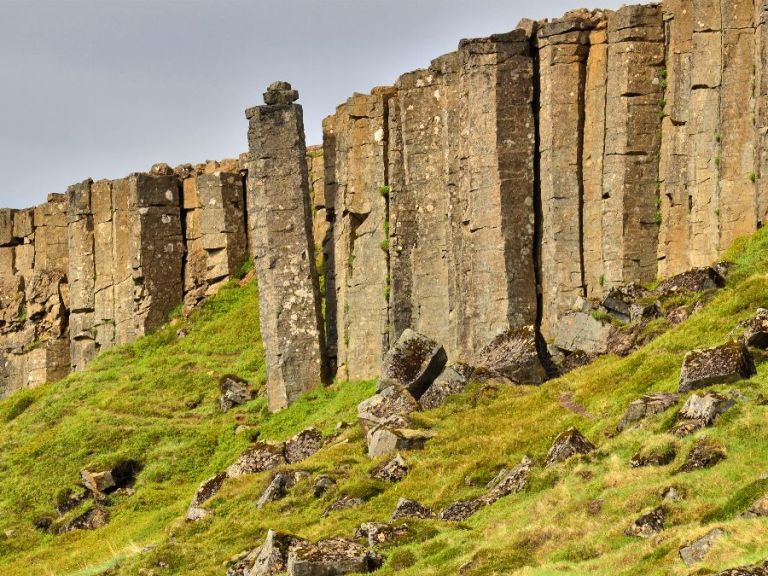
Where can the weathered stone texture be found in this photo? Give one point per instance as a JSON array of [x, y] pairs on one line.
[[280, 231]]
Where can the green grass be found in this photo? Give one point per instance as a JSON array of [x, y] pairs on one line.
[[155, 401]]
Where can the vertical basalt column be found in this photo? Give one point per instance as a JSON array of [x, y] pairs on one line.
[[633, 132], [329, 246], [280, 226], [761, 111], [82, 274], [593, 157], [563, 51], [361, 231], [104, 264], [675, 157]]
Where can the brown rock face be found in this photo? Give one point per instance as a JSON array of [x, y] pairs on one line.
[[721, 365], [280, 229]]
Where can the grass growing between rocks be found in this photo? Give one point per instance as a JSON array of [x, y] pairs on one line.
[[156, 401]]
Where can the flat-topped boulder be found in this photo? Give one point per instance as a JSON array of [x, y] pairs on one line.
[[303, 445], [517, 355], [695, 280], [394, 401], [414, 362], [332, 558], [646, 406], [581, 331], [384, 440], [724, 364], [699, 411], [260, 457]]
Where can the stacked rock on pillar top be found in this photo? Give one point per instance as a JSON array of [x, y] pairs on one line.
[[280, 231]]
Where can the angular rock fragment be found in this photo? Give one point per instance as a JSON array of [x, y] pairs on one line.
[[279, 486], [260, 457], [700, 411], [378, 533], [696, 551], [516, 355], [414, 362], [207, 490], [391, 402], [648, 524], [303, 445], [619, 301], [758, 510], [672, 494], [453, 380], [332, 558], [411, 509], [581, 331], [395, 470], [720, 365], [95, 518], [696, 280], [345, 503], [271, 558], [568, 444], [106, 481], [384, 440], [647, 406], [756, 570], [234, 392], [322, 485], [462, 510], [509, 481], [756, 330], [705, 454]]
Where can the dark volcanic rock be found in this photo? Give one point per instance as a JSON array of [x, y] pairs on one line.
[[395, 401], [704, 454], [756, 570], [461, 510], [696, 280], [332, 558], [648, 524], [721, 365], [279, 486], [234, 392], [518, 355], [96, 517], [647, 406], [411, 509], [260, 457], [303, 445], [453, 380], [395, 470], [568, 444], [414, 362], [756, 330], [344, 503], [205, 492], [509, 481], [322, 485], [696, 551]]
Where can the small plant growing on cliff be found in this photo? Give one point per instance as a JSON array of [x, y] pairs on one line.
[[384, 245], [384, 191], [752, 177], [602, 280]]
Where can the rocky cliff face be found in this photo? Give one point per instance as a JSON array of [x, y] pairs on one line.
[[490, 190]]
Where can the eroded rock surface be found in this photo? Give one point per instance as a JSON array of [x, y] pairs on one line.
[[720, 365], [414, 362]]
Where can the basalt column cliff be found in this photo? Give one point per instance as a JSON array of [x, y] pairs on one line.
[[497, 188]]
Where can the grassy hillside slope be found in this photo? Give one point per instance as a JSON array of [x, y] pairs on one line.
[[156, 402]]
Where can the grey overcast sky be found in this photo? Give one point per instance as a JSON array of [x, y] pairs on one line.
[[102, 88]]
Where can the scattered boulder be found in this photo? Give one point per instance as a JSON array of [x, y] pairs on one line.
[[573, 361], [695, 280], [161, 169], [205, 492], [756, 570], [414, 362], [705, 454], [460, 511], [344, 503], [672, 493], [95, 518], [411, 509], [279, 486], [260, 457], [720, 365], [568, 444], [619, 301], [758, 510], [107, 481], [272, 557], [303, 445], [234, 392], [646, 406], [509, 481], [394, 402], [657, 456], [756, 330], [517, 355], [581, 331], [322, 485], [644, 312], [395, 470], [453, 380], [332, 558], [384, 440], [648, 524], [377, 533], [700, 411], [69, 500], [696, 551]]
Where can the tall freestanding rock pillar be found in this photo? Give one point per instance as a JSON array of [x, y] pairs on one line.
[[280, 223]]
